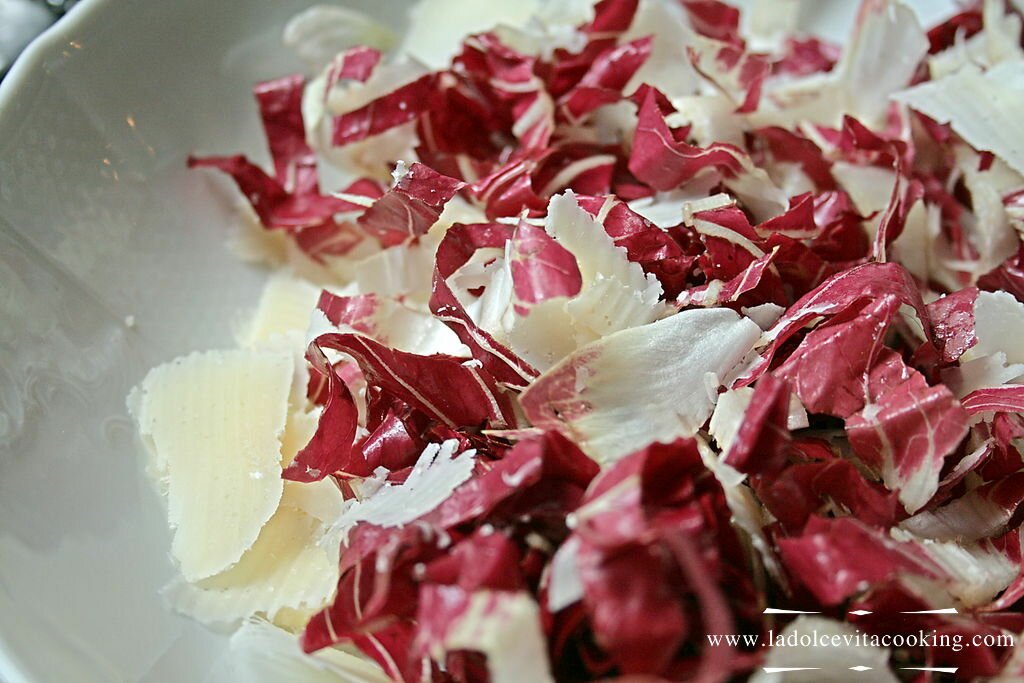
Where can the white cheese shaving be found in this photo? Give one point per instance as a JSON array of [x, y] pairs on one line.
[[797, 417], [978, 572], [999, 327], [318, 324], [506, 628], [616, 293], [285, 306], [728, 416], [287, 567], [457, 210], [402, 270], [983, 108], [758, 192], [667, 209], [553, 26], [715, 201], [765, 315], [981, 373], [260, 652], [711, 121], [996, 358], [278, 324], [543, 337], [870, 187], [437, 27], [998, 41], [881, 58], [437, 473], [372, 156], [669, 64], [298, 430], [751, 517], [969, 518], [409, 329], [915, 246], [767, 23], [990, 232], [732, 406], [565, 585], [214, 421], [645, 384]]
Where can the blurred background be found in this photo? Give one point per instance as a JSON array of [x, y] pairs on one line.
[[23, 20]]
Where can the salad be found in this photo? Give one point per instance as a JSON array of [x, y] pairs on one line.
[[628, 341]]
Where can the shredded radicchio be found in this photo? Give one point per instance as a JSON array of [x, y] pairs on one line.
[[837, 426]]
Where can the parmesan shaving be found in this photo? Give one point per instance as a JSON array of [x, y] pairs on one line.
[[214, 421]]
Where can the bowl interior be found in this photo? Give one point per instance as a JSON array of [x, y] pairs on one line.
[[113, 259]]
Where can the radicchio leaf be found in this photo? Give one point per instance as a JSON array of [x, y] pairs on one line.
[[838, 293], [541, 268], [838, 558], [444, 388], [331, 448], [291, 199], [714, 19], [400, 106], [1005, 399], [510, 525], [952, 319], [545, 475], [829, 370], [458, 245], [1009, 277], [983, 512], [607, 76], [663, 159], [760, 444], [739, 74], [410, 207], [906, 429], [718, 293], [651, 517], [506, 626], [666, 254]]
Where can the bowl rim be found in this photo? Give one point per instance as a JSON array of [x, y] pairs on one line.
[[29, 67], [36, 54]]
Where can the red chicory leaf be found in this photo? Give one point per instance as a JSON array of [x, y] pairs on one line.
[[760, 444], [541, 268], [448, 390], [331, 448], [663, 161], [952, 318], [399, 106], [458, 245], [607, 76], [1004, 399], [829, 370], [906, 429], [839, 558], [410, 207]]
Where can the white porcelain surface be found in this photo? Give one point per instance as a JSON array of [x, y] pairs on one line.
[[99, 220]]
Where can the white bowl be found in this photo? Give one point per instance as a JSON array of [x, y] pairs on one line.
[[101, 223], [113, 259]]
